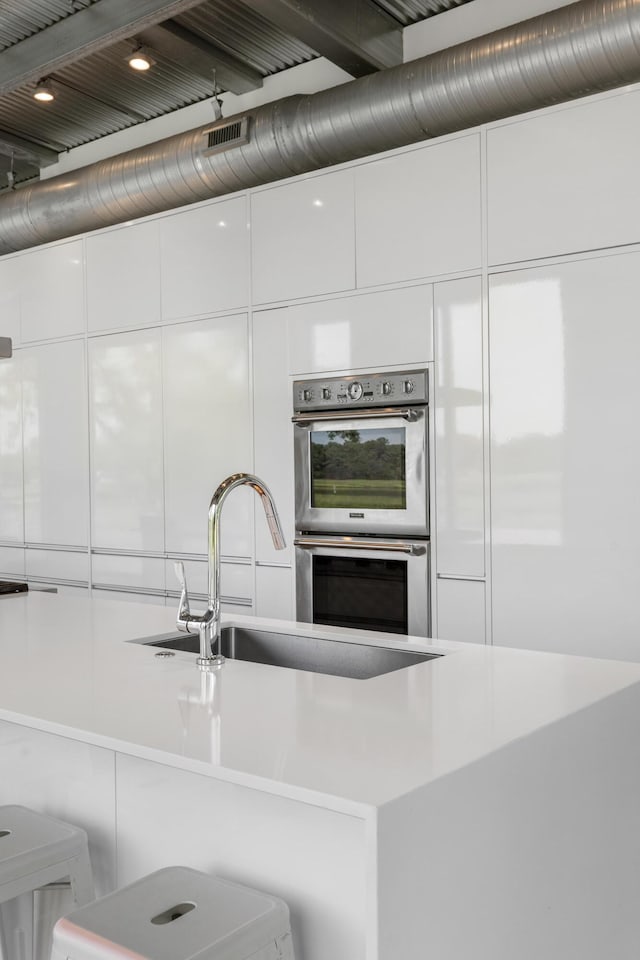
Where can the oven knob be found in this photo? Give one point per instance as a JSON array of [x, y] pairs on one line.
[[408, 386], [307, 395], [354, 390], [386, 388], [326, 393]]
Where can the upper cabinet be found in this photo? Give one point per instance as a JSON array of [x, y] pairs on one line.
[[205, 259], [123, 277], [11, 501], [52, 292], [10, 299], [207, 431], [302, 238], [459, 431], [126, 441], [387, 328], [418, 214], [563, 181], [56, 448]]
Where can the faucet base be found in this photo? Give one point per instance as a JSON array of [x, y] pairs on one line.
[[210, 663]]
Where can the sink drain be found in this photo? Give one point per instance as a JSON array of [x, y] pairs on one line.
[[165, 653]]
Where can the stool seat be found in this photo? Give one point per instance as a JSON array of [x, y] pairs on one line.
[[36, 850], [177, 914]]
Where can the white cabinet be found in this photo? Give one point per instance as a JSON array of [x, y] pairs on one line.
[[145, 573], [52, 292], [123, 277], [418, 214], [12, 562], [390, 328], [126, 441], [459, 433], [303, 238], [565, 460], [205, 259], [563, 180], [207, 432], [275, 592], [10, 299], [11, 479], [236, 580], [461, 610], [55, 565], [56, 455], [273, 430]]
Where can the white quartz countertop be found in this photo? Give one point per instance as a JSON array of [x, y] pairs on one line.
[[347, 744]]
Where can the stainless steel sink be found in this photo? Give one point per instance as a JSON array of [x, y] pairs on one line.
[[317, 655]]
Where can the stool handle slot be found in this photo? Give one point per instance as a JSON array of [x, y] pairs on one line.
[[173, 913]]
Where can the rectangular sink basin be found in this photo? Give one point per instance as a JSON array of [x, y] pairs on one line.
[[337, 658]]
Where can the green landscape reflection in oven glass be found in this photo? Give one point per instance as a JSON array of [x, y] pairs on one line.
[[358, 469]]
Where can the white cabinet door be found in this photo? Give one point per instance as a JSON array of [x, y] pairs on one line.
[[205, 259], [126, 441], [146, 573], [56, 448], [274, 592], [11, 479], [303, 239], [57, 565], [207, 432], [123, 277], [459, 439], [565, 459], [390, 328], [562, 181], [461, 610], [236, 581], [418, 214], [10, 275], [52, 292], [273, 430], [12, 563]]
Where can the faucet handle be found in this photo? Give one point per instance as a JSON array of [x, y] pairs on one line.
[[183, 608]]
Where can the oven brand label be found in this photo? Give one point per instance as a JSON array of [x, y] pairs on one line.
[[357, 516]]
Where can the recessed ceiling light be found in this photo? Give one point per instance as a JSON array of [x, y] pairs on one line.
[[140, 59], [43, 92]]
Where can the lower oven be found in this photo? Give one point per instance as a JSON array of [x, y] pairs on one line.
[[364, 583]]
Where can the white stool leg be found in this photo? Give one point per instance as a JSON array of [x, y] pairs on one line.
[[81, 877], [16, 920]]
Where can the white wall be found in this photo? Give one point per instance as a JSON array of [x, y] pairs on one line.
[[185, 331]]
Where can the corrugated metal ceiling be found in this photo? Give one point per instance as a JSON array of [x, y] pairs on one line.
[[97, 94]]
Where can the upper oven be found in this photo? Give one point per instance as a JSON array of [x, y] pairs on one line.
[[361, 454]]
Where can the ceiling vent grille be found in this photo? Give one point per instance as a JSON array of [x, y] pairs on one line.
[[226, 135]]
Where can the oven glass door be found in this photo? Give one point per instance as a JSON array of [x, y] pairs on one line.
[[362, 475], [382, 586]]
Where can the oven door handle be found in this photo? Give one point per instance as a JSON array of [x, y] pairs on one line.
[[308, 543], [406, 413]]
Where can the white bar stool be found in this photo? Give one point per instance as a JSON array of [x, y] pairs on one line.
[[177, 914], [36, 850]]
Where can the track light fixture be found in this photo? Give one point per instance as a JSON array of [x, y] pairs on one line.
[[44, 91], [139, 59]]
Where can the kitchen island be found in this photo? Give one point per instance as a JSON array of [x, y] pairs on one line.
[[481, 804]]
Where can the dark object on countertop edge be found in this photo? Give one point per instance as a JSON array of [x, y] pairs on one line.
[[12, 586]]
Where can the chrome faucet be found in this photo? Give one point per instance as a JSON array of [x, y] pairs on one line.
[[208, 624]]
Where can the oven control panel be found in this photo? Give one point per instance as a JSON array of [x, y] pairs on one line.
[[362, 390]]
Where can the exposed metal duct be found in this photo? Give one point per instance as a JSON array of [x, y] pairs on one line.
[[583, 48]]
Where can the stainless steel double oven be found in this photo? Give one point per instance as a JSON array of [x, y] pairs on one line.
[[361, 453]]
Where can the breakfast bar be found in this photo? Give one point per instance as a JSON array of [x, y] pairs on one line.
[[480, 803]]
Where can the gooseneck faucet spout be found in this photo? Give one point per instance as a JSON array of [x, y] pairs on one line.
[[207, 625]]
